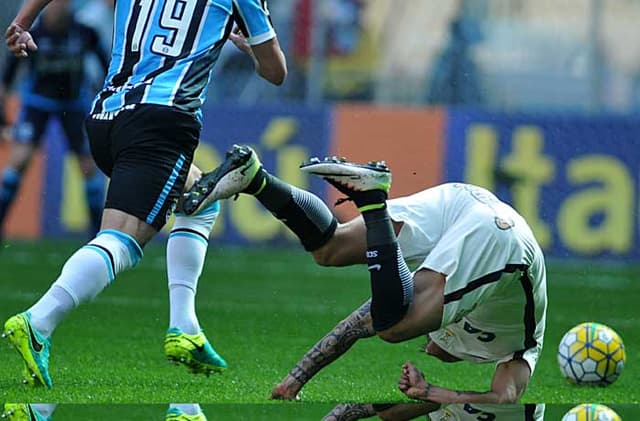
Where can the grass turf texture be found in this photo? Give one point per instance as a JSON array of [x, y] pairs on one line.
[[262, 309]]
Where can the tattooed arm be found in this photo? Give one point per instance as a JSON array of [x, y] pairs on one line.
[[509, 382], [356, 326]]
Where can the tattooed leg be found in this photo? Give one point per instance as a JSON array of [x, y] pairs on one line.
[[356, 326]]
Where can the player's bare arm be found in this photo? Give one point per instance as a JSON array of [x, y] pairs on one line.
[[268, 58], [356, 326], [509, 382], [17, 36]]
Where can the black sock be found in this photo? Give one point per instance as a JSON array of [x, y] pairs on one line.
[[301, 211], [391, 279]]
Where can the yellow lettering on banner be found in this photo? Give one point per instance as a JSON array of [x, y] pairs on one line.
[[279, 131], [481, 152], [532, 169], [613, 199], [73, 204]]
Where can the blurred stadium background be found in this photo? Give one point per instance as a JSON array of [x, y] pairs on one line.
[[535, 99]]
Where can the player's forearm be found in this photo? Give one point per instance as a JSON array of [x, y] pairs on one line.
[[334, 344], [274, 74], [28, 12], [442, 395]]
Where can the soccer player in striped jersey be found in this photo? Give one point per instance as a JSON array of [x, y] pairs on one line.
[[476, 287], [143, 129]]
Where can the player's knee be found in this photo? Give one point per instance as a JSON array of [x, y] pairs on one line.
[[391, 335], [326, 256]]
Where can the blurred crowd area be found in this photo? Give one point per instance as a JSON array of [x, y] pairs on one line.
[[516, 55]]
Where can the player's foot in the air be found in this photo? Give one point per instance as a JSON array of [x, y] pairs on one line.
[[174, 414], [21, 412], [366, 184], [32, 347], [194, 351], [232, 177]]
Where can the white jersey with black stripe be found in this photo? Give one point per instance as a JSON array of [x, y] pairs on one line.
[[495, 291]]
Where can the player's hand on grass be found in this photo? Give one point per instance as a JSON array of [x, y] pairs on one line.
[[286, 390], [19, 40], [239, 40], [412, 382]]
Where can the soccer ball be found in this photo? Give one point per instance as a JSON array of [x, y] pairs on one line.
[[591, 354], [591, 412]]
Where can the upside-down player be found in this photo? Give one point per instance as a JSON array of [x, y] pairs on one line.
[[478, 285]]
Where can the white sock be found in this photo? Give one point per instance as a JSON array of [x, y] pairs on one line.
[[87, 272], [44, 409], [187, 408], [49, 311], [186, 249]]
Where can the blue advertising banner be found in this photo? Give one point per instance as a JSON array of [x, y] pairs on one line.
[[283, 136], [574, 178]]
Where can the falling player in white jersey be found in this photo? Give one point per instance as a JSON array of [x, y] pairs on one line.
[[477, 286]]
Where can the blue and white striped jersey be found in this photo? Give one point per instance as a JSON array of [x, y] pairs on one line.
[[164, 50]]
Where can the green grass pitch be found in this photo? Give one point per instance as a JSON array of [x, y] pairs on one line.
[[262, 309]]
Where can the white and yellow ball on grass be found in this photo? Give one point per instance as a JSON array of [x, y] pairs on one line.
[[591, 412], [591, 354]]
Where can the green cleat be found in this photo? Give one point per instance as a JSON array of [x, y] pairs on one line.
[[194, 351], [174, 414], [21, 412], [32, 347]]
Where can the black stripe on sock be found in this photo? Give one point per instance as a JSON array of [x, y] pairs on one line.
[[486, 279], [106, 250], [191, 232]]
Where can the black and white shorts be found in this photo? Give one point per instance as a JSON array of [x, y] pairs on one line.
[[146, 151]]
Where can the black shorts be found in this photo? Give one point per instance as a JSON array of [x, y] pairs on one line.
[[32, 122], [147, 152]]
